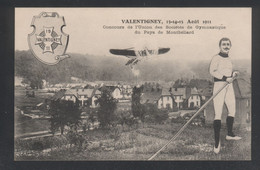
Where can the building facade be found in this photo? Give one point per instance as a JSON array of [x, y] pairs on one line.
[[194, 99]]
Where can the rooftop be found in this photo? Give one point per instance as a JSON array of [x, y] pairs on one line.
[[150, 97]]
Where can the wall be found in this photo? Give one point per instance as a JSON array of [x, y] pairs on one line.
[[162, 103], [195, 99]]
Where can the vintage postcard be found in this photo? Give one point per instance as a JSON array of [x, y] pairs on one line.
[[95, 84]]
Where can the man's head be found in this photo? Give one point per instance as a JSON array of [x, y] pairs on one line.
[[225, 45]]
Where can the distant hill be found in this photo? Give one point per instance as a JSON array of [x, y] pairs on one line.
[[104, 68]]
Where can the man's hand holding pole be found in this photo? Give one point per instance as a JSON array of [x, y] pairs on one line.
[[233, 77]]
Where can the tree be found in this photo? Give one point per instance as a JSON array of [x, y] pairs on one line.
[[64, 113], [137, 107], [36, 82], [107, 108]]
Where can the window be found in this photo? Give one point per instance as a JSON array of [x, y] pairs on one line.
[[167, 98], [197, 103], [191, 97]]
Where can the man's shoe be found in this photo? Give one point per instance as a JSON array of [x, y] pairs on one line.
[[216, 150], [233, 137]]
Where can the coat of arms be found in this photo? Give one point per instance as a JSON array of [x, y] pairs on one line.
[[47, 42]]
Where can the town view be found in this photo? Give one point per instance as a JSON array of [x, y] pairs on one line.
[[96, 108]]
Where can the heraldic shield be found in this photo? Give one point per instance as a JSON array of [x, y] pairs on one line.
[[47, 42]]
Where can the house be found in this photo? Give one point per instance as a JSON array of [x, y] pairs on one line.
[[166, 100], [18, 81], [126, 92], [87, 97], [75, 79], [181, 96], [242, 88], [83, 95], [162, 98], [95, 96], [206, 93], [69, 95], [127, 95], [63, 95], [194, 99], [115, 91], [58, 85], [52, 89], [152, 96]]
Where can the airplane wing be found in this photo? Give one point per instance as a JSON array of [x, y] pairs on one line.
[[129, 52], [124, 52], [163, 50]]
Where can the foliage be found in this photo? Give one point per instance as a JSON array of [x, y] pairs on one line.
[[192, 144], [180, 83], [177, 120], [107, 108], [64, 113], [92, 118], [137, 107], [133, 137], [29, 69], [200, 83], [131, 121], [126, 118], [154, 115], [115, 135], [86, 67], [123, 118], [76, 139], [38, 145]]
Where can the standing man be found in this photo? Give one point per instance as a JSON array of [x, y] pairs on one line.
[[222, 71]]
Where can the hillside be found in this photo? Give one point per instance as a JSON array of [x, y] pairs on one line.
[[90, 67]]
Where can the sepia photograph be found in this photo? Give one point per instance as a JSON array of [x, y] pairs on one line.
[[139, 84]]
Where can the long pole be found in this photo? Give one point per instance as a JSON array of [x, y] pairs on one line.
[[186, 124]]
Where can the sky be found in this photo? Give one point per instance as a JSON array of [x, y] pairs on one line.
[[87, 35]]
